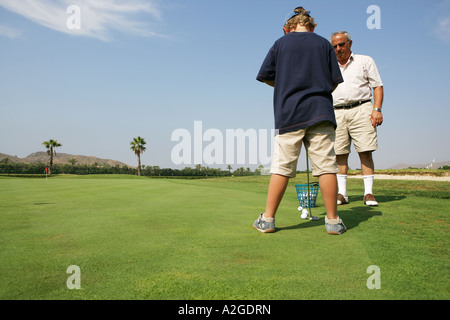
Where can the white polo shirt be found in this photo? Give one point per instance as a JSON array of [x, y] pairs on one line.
[[360, 75]]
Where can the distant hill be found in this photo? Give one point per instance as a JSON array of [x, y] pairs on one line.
[[62, 158], [431, 165]]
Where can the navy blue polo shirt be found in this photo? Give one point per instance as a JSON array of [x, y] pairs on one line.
[[305, 70]]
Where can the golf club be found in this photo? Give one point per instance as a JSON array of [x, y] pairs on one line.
[[311, 217]]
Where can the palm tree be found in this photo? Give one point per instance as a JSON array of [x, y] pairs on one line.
[[73, 161], [51, 145], [138, 146]]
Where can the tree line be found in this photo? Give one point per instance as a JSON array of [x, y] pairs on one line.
[[137, 145], [7, 167]]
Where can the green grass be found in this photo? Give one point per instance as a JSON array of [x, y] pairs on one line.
[[410, 171], [143, 238]]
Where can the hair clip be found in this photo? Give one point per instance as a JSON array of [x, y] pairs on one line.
[[306, 13]]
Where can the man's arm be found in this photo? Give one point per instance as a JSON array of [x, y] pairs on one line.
[[378, 97], [377, 116]]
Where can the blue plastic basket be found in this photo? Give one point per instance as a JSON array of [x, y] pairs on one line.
[[302, 194]]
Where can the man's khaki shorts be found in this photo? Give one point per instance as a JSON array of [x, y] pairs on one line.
[[354, 125], [318, 140]]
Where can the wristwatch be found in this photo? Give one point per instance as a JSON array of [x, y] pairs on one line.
[[377, 109]]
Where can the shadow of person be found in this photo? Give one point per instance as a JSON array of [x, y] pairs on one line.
[[380, 198], [304, 224], [351, 216]]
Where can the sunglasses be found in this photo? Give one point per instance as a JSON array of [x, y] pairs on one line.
[[342, 44]]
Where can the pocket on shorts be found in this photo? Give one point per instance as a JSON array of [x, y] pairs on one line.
[[367, 109]]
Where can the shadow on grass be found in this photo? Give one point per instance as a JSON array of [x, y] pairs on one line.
[[352, 217], [380, 199]]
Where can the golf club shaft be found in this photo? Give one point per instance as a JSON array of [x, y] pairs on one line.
[[307, 179]]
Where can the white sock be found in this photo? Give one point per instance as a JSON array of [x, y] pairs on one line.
[[342, 184], [267, 219], [368, 184]]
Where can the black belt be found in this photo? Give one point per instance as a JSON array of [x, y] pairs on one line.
[[352, 105]]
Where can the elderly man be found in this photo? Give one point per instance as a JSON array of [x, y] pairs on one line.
[[356, 116]]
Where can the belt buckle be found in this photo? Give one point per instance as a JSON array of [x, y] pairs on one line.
[[354, 104]]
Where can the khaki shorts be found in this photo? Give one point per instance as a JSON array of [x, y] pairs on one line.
[[318, 140], [354, 125]]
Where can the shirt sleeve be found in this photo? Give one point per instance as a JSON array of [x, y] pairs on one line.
[[373, 76], [268, 67]]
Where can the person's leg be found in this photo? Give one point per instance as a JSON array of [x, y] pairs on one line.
[[320, 146], [277, 187], [266, 220], [365, 140], [328, 188], [284, 163], [367, 165], [342, 149], [342, 163], [368, 170]]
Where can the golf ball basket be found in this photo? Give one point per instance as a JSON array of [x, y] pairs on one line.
[[302, 194]]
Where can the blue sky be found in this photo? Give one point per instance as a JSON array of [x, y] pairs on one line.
[[148, 68]]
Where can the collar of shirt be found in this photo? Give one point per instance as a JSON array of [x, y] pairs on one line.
[[350, 59]]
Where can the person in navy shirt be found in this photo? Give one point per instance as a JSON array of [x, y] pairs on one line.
[[302, 67]]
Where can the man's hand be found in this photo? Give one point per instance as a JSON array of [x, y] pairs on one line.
[[376, 118]]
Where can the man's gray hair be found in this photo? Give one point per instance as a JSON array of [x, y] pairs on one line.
[[341, 32]]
